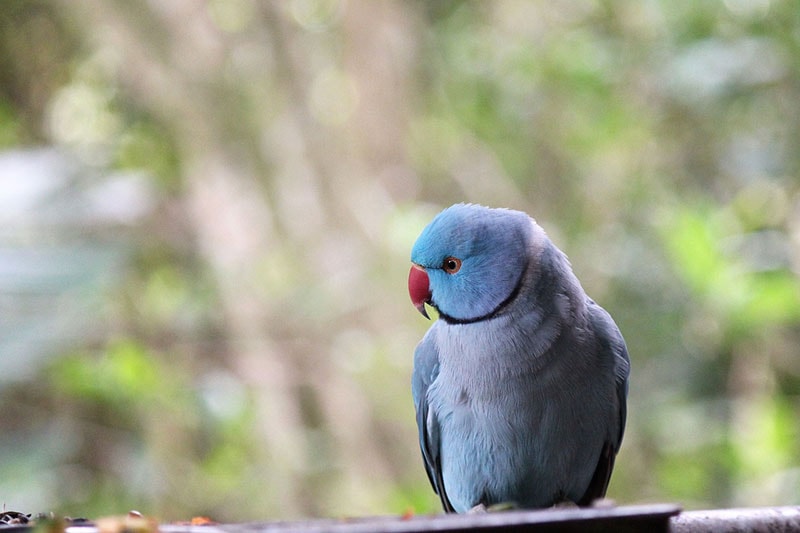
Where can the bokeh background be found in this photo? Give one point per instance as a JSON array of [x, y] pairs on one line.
[[207, 208]]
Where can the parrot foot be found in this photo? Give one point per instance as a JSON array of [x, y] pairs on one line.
[[502, 506], [604, 503], [565, 504], [495, 507]]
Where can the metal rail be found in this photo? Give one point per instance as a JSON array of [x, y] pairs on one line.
[[645, 518]]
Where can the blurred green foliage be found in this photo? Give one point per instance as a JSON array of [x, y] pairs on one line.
[[247, 355]]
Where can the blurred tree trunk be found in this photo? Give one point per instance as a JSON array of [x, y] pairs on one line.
[[269, 174]]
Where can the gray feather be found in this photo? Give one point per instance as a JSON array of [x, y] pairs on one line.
[[527, 405]]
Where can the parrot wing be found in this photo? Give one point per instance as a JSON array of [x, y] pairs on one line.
[[612, 345], [426, 368]]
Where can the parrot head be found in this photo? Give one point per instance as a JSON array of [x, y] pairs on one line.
[[468, 261]]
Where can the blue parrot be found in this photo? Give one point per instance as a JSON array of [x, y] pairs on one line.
[[520, 386]]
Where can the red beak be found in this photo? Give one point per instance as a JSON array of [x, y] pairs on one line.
[[419, 289]]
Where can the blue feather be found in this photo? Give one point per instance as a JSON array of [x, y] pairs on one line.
[[520, 387]]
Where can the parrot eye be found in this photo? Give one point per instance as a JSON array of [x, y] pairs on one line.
[[451, 265]]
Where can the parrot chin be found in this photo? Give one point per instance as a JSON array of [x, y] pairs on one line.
[[419, 289]]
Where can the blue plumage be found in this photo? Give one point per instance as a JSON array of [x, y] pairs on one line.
[[520, 386]]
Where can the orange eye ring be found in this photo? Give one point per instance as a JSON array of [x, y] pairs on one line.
[[451, 264]]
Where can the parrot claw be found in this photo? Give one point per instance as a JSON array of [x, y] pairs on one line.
[[565, 504], [494, 508]]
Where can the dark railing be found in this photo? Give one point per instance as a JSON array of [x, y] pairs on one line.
[[644, 518]]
